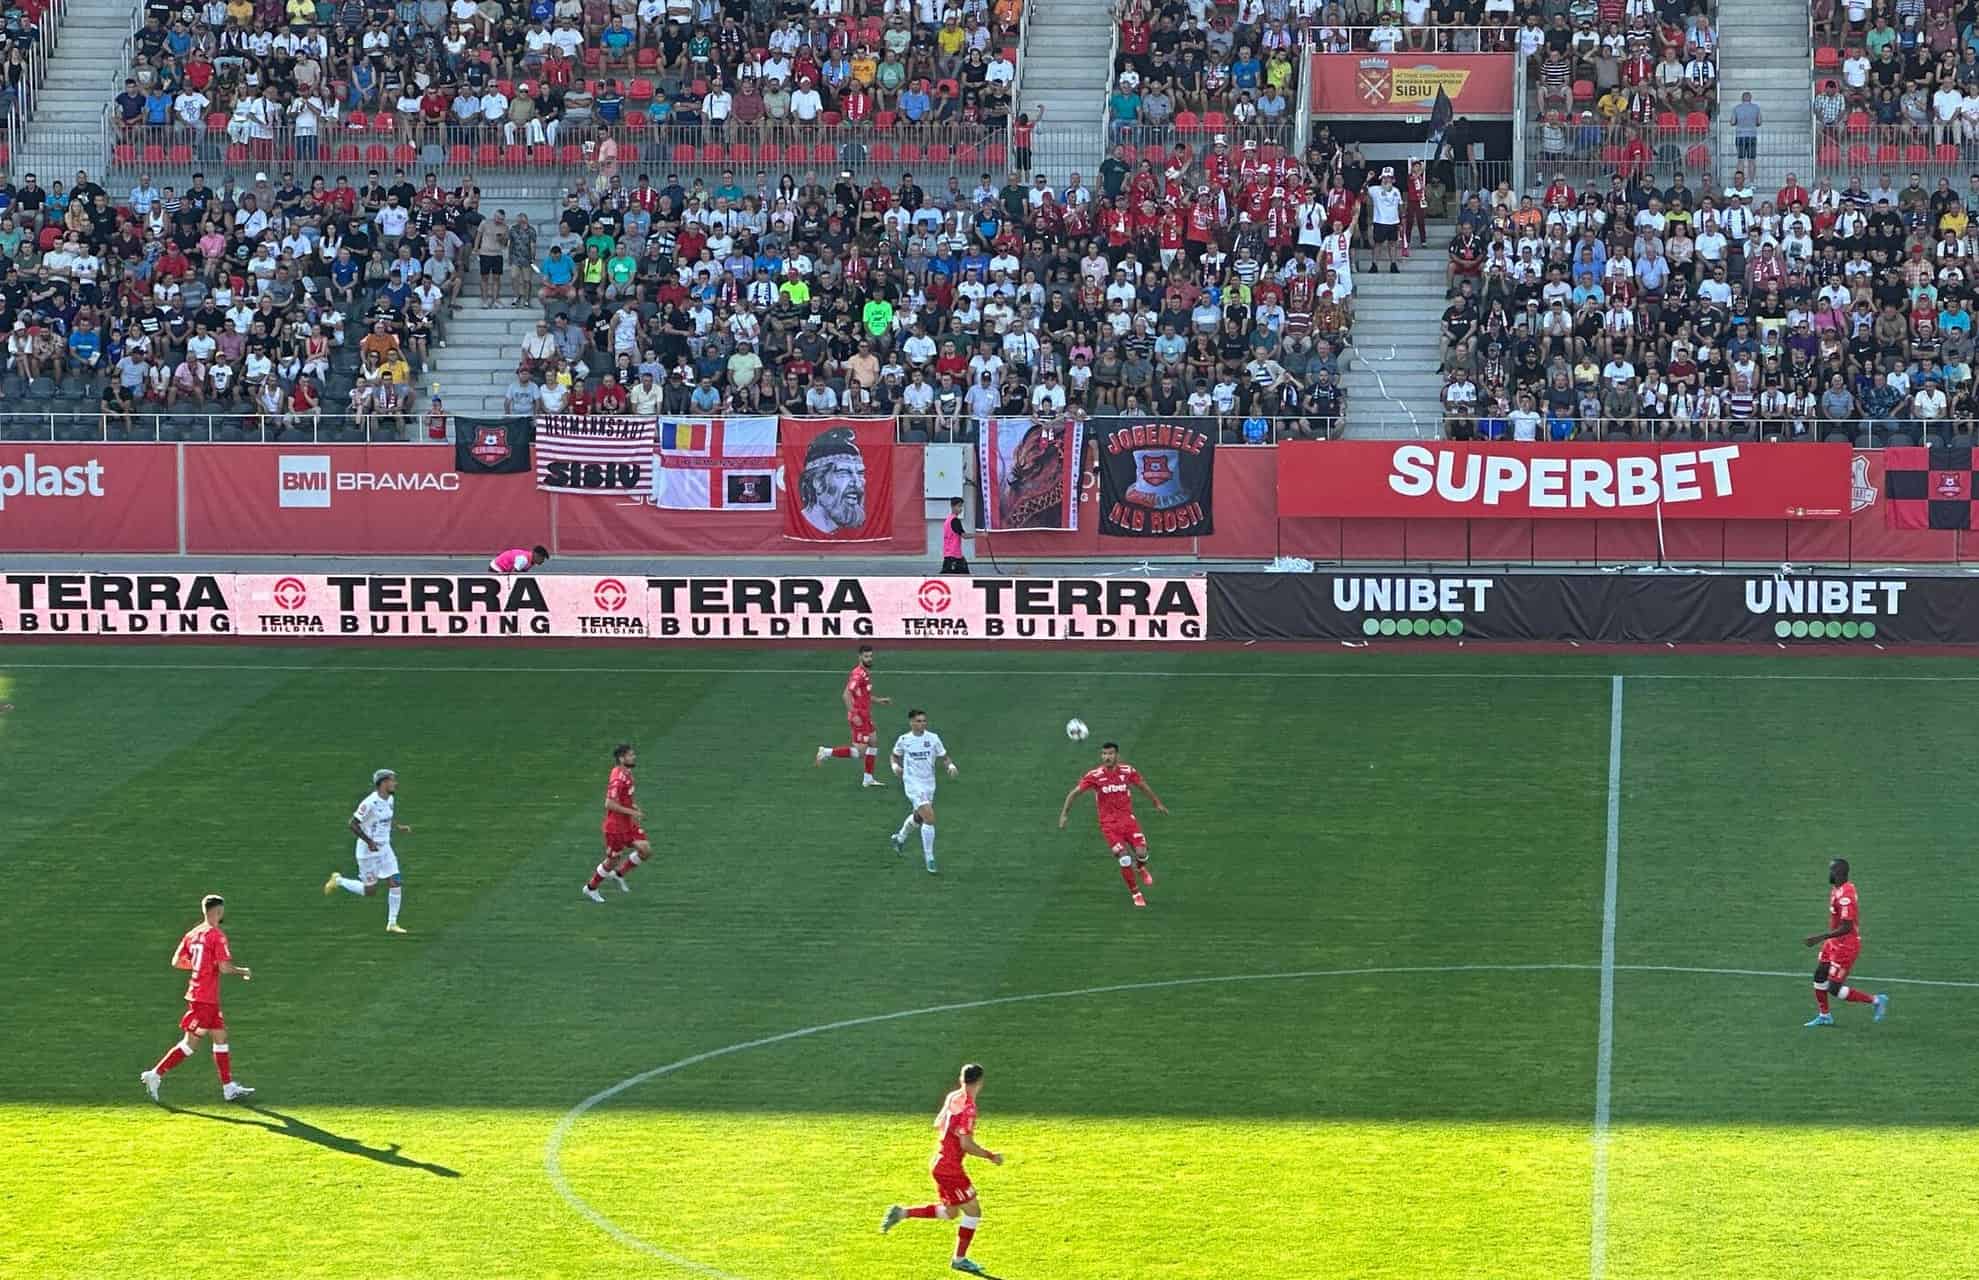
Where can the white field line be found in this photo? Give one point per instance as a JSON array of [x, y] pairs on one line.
[[1604, 1058], [553, 1148]]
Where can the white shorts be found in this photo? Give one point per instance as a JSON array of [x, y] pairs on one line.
[[382, 865], [920, 793]]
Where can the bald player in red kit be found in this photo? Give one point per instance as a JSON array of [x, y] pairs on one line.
[[956, 1125], [858, 698], [1113, 785], [1840, 946], [205, 952]]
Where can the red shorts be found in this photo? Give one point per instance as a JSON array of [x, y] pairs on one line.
[[953, 1187], [1123, 835], [861, 727], [619, 839], [201, 1016], [1839, 959]]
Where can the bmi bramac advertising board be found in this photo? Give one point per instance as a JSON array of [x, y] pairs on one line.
[[1638, 608]]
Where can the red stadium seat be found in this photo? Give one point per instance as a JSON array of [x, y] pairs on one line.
[[910, 153], [647, 59], [641, 90], [1697, 124], [795, 153], [405, 155], [1947, 153], [1858, 153], [1856, 121], [1187, 122], [123, 155], [1611, 154], [154, 154], [384, 122], [1827, 58], [880, 153], [571, 154], [1583, 91], [357, 122], [543, 155], [740, 153], [1215, 121], [345, 153], [488, 155], [996, 156], [1829, 153], [1666, 121], [937, 153], [1917, 153], [1889, 153], [823, 153], [460, 155], [378, 153], [683, 153], [711, 153], [178, 155], [1698, 156], [514, 156]]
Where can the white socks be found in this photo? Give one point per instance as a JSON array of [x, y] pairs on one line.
[[349, 885], [392, 899], [928, 839], [907, 826]]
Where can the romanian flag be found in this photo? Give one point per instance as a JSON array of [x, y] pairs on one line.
[[716, 464]]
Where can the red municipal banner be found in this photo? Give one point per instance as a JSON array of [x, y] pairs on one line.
[[1405, 84], [1578, 481], [89, 497]]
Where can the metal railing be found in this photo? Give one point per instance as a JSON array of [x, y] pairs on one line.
[[61, 426], [1326, 37], [1796, 428], [1841, 151]]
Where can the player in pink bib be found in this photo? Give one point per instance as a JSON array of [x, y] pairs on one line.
[[518, 560]]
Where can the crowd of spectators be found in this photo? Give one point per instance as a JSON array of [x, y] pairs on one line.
[[1187, 67], [20, 31], [1206, 285], [274, 308], [1652, 311], [1896, 84], [1630, 84], [542, 81]]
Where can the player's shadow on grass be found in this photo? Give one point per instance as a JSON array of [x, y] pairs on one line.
[[303, 1131]]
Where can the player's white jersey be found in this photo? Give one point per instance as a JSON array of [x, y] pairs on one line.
[[918, 753], [374, 818]]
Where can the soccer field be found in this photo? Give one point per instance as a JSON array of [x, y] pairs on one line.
[[1435, 980]]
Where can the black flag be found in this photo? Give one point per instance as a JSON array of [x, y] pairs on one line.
[[1441, 113]]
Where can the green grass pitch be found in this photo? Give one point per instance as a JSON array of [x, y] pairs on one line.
[[1424, 837]]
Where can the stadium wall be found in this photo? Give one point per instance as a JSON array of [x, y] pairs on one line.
[[408, 499]]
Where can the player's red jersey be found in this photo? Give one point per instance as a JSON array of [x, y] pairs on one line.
[[1113, 786], [619, 790], [203, 949], [955, 1121], [1842, 905], [860, 685]]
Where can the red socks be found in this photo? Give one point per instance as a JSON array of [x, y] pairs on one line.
[[1127, 874], [925, 1211], [172, 1058], [598, 876], [963, 1235], [1820, 999], [841, 753], [871, 756], [1854, 996], [627, 863], [223, 1062]]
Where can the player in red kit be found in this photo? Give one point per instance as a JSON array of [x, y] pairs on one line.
[[859, 702], [956, 1123], [1113, 785], [626, 845], [1840, 947], [205, 952]]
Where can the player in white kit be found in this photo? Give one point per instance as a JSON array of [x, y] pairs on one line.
[[373, 824], [916, 753]]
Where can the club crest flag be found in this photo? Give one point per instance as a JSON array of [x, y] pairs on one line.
[[838, 479], [715, 464], [492, 446], [1155, 476], [1029, 472]]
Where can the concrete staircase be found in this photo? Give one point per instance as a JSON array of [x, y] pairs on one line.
[[85, 73], [1763, 49], [483, 346], [1064, 70], [1393, 380]]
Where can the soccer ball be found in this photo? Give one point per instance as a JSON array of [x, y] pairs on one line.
[[1076, 730]]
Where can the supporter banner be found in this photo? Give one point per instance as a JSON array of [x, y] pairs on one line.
[[1029, 473], [1928, 488], [353, 500], [716, 464], [601, 606], [594, 455], [1582, 481], [838, 479], [930, 608], [1155, 476], [1646, 608], [492, 446], [1406, 84], [89, 497]]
